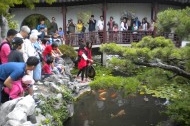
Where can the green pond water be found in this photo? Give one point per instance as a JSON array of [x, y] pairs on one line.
[[112, 109]]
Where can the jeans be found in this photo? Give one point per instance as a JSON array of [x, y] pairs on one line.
[[37, 72]]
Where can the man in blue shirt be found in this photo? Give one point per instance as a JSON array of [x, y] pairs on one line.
[[41, 28], [13, 71]]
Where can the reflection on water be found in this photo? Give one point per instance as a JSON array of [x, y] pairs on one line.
[[107, 108]]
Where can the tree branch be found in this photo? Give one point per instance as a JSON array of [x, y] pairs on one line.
[[174, 69]]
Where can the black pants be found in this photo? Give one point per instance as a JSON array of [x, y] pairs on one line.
[[4, 97], [82, 71]]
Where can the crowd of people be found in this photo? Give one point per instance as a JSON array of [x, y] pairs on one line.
[[26, 58], [126, 24], [52, 32], [78, 29]]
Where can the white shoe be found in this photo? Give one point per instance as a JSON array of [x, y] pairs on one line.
[[39, 83], [35, 88]]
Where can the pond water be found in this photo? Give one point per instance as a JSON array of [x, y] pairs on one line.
[[107, 108]]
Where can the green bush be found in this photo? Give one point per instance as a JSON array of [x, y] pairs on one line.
[[68, 51], [179, 111]]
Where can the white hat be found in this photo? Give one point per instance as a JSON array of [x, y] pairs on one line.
[[34, 31], [27, 79]]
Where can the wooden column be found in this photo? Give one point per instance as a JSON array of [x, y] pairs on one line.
[[154, 10], [104, 15], [64, 11]]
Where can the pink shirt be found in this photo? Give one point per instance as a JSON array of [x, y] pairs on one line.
[[5, 50], [16, 91]]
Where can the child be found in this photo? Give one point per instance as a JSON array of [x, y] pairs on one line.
[[47, 67], [19, 87]]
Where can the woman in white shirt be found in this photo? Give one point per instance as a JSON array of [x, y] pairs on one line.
[[100, 26], [124, 26], [144, 25]]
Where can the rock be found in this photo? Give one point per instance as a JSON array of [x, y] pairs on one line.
[[54, 88], [38, 110], [32, 118], [12, 123], [28, 123], [17, 114], [27, 104], [59, 97], [40, 118], [6, 108], [70, 108], [46, 83]]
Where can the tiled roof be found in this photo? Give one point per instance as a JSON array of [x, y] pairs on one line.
[[80, 2], [66, 1]]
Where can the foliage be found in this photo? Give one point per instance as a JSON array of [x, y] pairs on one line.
[[33, 20], [105, 80], [123, 65], [84, 16], [179, 110], [68, 51], [60, 114], [7, 4], [11, 23], [150, 50], [179, 20], [128, 85], [102, 71]]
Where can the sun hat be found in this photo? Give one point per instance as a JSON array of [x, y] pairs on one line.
[[27, 79], [34, 31]]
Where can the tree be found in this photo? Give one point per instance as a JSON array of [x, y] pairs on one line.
[[6, 4], [6, 17], [162, 69], [176, 20], [152, 52]]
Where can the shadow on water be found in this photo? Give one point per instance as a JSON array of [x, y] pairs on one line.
[[108, 108]]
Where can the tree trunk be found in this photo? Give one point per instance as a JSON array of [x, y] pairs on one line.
[[3, 27]]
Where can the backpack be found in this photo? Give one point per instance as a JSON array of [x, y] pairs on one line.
[[91, 71], [1, 47]]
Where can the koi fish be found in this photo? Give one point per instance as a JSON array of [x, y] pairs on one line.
[[102, 96], [101, 90], [114, 95], [120, 113]]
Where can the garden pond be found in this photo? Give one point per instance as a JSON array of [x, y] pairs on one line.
[[110, 108]]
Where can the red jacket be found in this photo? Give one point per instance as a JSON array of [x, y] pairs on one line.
[[83, 60]]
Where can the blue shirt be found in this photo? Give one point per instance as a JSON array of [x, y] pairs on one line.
[[15, 70], [61, 33], [41, 26]]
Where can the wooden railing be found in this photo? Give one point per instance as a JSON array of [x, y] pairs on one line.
[[119, 37]]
